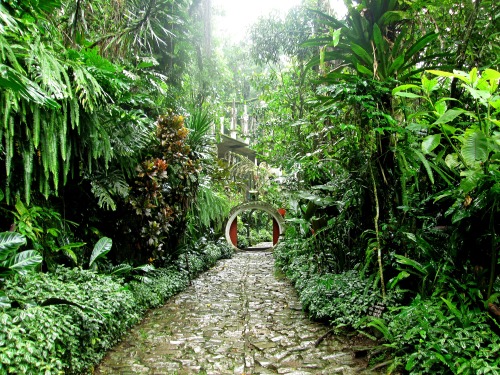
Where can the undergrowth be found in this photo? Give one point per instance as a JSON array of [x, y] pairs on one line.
[[447, 332], [64, 322]]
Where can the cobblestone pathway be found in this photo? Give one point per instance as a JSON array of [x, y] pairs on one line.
[[235, 319]]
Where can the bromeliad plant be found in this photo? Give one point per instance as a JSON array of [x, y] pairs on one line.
[[377, 40]]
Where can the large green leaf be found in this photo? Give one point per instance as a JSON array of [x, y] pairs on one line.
[[404, 87], [392, 17], [4, 300], [471, 179], [415, 266], [364, 70], [25, 260], [9, 243], [420, 44], [448, 116], [475, 146], [452, 161], [491, 75], [426, 164], [121, 269], [430, 142], [396, 64], [101, 248], [71, 255], [67, 250], [408, 94], [457, 74], [363, 54], [381, 50], [452, 308]]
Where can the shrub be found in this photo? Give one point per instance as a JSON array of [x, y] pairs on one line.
[[64, 322], [429, 336], [342, 298], [62, 337], [434, 336], [203, 255], [160, 285]]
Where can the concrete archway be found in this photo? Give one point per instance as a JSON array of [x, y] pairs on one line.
[[232, 228]]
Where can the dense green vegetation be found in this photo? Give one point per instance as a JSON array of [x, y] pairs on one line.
[[107, 160], [65, 321], [383, 125], [393, 207]]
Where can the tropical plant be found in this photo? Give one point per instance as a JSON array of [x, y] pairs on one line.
[[12, 261], [200, 138], [101, 248], [207, 213], [164, 186], [377, 40], [47, 233], [69, 337], [461, 144]]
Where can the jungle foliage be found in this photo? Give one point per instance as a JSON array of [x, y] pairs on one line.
[[65, 321], [94, 125], [103, 148], [393, 185], [384, 125]]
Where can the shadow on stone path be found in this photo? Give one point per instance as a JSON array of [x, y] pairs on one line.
[[237, 318]]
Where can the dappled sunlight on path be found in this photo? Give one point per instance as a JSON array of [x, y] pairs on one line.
[[237, 318]]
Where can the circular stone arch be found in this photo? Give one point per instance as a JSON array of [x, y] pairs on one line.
[[278, 220]]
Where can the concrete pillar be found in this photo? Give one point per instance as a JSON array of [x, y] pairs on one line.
[[222, 125], [276, 227], [245, 125], [233, 121]]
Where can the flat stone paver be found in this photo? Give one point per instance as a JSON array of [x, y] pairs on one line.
[[237, 318]]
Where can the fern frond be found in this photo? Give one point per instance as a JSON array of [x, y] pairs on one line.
[[6, 109], [200, 125], [35, 110], [74, 112], [28, 154], [210, 208], [105, 200], [106, 185], [67, 163], [88, 90], [63, 131], [48, 71], [9, 146]]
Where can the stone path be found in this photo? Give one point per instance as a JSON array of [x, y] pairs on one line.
[[236, 318], [261, 246]]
